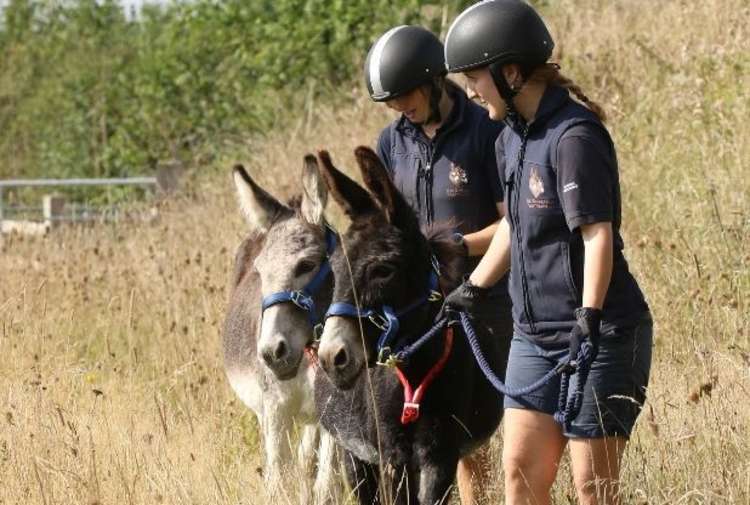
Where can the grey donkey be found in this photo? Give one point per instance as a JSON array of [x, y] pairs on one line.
[[267, 353]]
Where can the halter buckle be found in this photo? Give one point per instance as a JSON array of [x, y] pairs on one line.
[[387, 358], [393, 361], [434, 296], [317, 332], [384, 356], [299, 299], [379, 321]]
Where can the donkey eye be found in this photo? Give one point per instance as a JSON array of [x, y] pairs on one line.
[[303, 267], [381, 272]]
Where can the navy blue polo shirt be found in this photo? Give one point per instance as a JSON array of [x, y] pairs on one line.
[[562, 176], [452, 177]]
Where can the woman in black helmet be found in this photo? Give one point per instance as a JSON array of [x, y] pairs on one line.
[[569, 281], [440, 154]]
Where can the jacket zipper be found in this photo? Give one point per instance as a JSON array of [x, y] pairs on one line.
[[431, 148], [524, 281], [425, 172]]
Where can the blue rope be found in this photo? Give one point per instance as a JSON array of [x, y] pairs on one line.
[[504, 389], [568, 406], [409, 350]]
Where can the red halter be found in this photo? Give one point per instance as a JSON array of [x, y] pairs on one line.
[[412, 398]]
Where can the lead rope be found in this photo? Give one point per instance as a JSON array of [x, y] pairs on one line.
[[568, 406]]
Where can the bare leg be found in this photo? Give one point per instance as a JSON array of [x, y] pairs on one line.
[[532, 446], [596, 469], [473, 474]]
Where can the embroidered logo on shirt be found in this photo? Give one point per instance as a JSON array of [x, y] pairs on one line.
[[535, 183], [459, 179], [458, 175], [570, 187]]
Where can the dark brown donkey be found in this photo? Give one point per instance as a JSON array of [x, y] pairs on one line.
[[388, 262]]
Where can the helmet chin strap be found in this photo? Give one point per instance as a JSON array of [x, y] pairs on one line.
[[506, 92]]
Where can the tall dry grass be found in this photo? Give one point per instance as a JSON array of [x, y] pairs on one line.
[[112, 389]]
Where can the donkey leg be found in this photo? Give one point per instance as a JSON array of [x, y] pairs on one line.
[[363, 478], [402, 483], [277, 432], [436, 478], [328, 488], [307, 460]]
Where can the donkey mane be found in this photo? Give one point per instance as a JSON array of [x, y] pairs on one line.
[[448, 253]]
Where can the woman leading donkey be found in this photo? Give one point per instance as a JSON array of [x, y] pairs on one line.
[[440, 155], [572, 292]]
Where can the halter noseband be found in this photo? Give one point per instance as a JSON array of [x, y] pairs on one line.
[[386, 319], [304, 297], [393, 353]]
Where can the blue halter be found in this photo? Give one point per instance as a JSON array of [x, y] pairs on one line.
[[386, 319], [304, 297]]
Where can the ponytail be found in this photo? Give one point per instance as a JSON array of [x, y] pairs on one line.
[[550, 73]]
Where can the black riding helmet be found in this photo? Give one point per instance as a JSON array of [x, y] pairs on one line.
[[494, 33], [400, 60], [497, 31]]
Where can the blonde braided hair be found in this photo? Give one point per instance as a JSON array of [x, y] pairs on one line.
[[550, 73]]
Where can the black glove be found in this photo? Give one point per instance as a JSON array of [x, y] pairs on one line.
[[587, 325], [465, 298]]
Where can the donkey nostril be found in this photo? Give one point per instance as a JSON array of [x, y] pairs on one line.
[[341, 359], [280, 350]]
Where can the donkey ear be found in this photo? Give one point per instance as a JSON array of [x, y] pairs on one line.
[[260, 208], [378, 182], [353, 198], [314, 192]]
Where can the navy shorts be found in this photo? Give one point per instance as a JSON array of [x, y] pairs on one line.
[[615, 389]]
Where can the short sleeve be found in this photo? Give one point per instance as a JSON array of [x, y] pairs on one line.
[[384, 149], [586, 176]]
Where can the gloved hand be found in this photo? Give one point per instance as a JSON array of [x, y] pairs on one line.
[[587, 326], [465, 298]]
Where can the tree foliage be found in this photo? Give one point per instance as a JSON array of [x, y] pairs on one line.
[[86, 89]]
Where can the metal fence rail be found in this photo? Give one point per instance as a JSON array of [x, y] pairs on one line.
[[115, 181]]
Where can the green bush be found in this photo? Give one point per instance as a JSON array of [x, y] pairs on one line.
[[87, 91]]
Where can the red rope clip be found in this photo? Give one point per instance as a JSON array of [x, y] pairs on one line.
[[412, 398]]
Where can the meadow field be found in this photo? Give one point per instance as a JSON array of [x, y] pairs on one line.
[[112, 389]]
